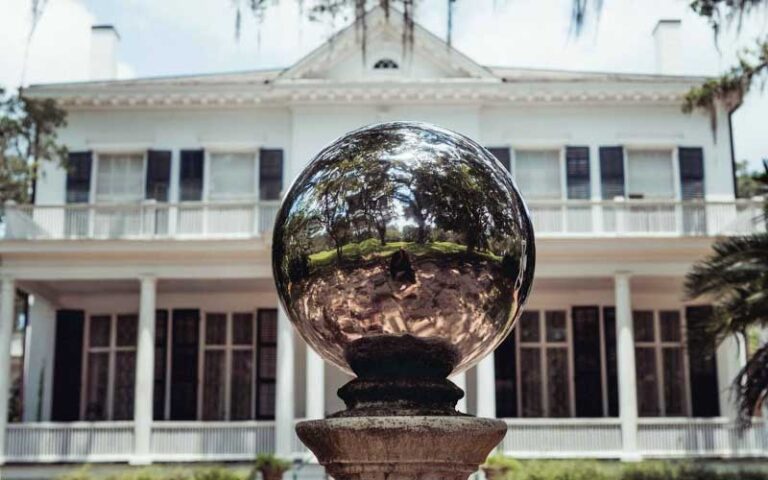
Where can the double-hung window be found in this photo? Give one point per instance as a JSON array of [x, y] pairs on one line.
[[120, 178], [538, 174], [232, 176], [650, 174]]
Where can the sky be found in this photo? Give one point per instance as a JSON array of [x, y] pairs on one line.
[[171, 37]]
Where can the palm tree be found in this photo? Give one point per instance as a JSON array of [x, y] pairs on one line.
[[735, 278]]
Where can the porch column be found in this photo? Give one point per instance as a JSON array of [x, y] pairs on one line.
[[145, 373], [315, 396], [486, 387], [625, 352], [461, 381], [7, 296], [284, 397]]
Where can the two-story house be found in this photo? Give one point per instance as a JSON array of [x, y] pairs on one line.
[[154, 330]]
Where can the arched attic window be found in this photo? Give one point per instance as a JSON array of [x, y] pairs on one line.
[[386, 64]]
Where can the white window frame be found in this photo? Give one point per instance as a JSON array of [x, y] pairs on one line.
[[559, 148], [542, 345], [228, 348], [673, 155], [111, 349], [95, 169], [208, 158], [658, 345]]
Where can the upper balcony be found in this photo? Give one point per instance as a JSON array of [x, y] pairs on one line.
[[198, 220]]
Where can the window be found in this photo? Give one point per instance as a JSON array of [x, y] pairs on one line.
[[266, 345], [612, 172], [227, 373], [577, 172], [659, 358], [270, 174], [120, 178], [691, 173], [649, 174], [191, 175], [544, 367], [502, 155], [110, 366], [537, 173], [158, 175], [385, 64], [232, 176]]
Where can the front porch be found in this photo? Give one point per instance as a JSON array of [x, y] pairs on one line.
[[113, 442]]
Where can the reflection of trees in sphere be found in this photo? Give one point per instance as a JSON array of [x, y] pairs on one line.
[[403, 229]]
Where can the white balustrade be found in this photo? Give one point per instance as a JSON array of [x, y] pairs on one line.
[[562, 438], [69, 442], [211, 441]]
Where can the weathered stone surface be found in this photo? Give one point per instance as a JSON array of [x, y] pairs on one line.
[[407, 448]]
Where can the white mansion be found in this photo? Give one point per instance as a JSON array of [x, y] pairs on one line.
[[154, 333]]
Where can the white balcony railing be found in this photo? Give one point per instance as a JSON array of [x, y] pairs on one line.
[[139, 221], [573, 218], [242, 441]]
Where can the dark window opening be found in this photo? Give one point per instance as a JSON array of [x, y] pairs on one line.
[[612, 172], [270, 174], [386, 64], [191, 175], [266, 365], [577, 171], [502, 154]]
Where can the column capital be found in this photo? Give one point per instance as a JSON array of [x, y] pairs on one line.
[[622, 273], [148, 277]]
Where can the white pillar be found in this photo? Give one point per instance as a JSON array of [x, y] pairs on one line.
[[284, 397], [315, 385], [461, 381], [731, 357], [7, 296], [486, 387], [145, 373], [625, 350]]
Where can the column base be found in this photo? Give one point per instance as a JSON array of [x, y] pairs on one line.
[[408, 447]]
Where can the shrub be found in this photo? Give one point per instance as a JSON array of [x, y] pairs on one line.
[[270, 467]]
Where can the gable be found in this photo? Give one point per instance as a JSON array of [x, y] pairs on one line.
[[428, 58]]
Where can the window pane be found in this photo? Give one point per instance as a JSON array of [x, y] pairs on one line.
[[158, 175], [96, 386], [555, 326], [242, 329], [270, 174], [242, 381], [232, 176], [612, 172], [266, 400], [649, 173], [674, 391], [268, 326], [670, 326], [99, 331], [557, 382], [216, 329], [125, 376], [647, 385], [191, 175], [213, 386], [78, 177], [530, 382], [120, 178], [126, 330], [529, 326], [577, 171], [643, 325], [537, 173]]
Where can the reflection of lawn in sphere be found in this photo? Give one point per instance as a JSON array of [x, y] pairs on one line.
[[372, 248], [456, 294]]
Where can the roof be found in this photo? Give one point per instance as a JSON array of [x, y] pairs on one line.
[[455, 76]]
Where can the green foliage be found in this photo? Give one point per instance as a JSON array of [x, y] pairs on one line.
[[269, 466], [750, 183], [27, 138], [157, 473]]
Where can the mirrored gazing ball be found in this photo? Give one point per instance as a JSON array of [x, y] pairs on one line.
[[403, 231]]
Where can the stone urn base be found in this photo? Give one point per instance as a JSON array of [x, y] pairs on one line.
[[401, 447]]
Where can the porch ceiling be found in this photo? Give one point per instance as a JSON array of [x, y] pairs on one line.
[[164, 286]]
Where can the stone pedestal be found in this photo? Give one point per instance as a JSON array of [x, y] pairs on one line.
[[399, 447]]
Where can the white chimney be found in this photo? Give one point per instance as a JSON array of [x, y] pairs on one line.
[[104, 40], [666, 36]]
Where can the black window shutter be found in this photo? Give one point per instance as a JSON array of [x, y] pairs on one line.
[[702, 367], [691, 173], [270, 173], [505, 360], [161, 349], [611, 362], [186, 337], [79, 177], [67, 365], [587, 366], [612, 172], [158, 175], [502, 154], [577, 172], [191, 175], [266, 364]]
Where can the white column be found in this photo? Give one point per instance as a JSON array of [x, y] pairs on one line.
[[7, 296], [731, 357], [486, 387], [461, 381], [625, 350], [145, 373], [315, 385], [284, 397]]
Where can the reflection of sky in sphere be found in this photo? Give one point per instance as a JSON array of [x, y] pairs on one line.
[[403, 229]]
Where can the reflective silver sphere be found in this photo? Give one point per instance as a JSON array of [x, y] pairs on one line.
[[404, 230]]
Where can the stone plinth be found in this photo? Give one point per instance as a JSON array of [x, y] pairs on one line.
[[401, 447]]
